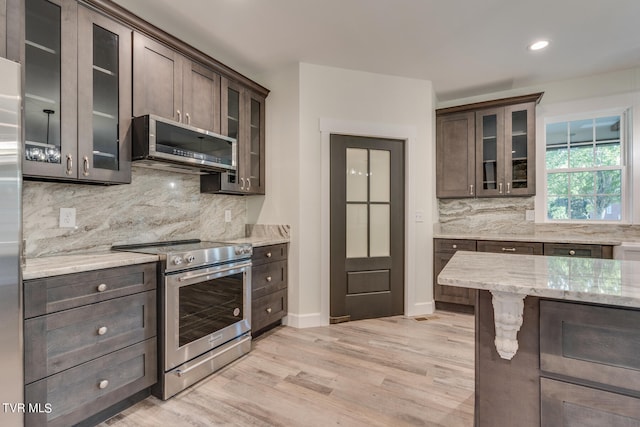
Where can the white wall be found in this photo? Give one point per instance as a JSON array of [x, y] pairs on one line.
[[373, 104]]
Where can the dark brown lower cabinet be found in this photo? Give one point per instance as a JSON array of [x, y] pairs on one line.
[[89, 344], [268, 287], [577, 365], [463, 300]]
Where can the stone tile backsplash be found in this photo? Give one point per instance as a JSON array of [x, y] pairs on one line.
[[507, 215], [156, 206]]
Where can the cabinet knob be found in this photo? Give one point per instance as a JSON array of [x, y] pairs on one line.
[[572, 252], [103, 384], [102, 287], [268, 255], [269, 310], [102, 330], [268, 278], [454, 246]]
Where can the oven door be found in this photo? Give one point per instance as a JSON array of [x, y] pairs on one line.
[[204, 309]]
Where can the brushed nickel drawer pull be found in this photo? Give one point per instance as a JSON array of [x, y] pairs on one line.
[[508, 188], [102, 287], [242, 183], [188, 118], [572, 252], [103, 384], [268, 278], [269, 310], [69, 170], [102, 330], [179, 116], [86, 166], [268, 255], [500, 188], [508, 249], [471, 189]]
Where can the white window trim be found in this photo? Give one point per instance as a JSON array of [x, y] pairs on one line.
[[627, 105]]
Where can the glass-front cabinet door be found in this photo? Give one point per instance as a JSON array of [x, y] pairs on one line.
[[49, 67], [77, 101], [255, 154], [505, 151], [520, 150], [104, 94], [490, 152]]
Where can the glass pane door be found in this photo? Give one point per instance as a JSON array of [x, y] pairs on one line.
[[105, 99], [42, 82], [368, 203], [490, 152], [518, 140]]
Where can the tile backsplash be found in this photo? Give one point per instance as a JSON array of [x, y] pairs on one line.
[[156, 206], [507, 215]]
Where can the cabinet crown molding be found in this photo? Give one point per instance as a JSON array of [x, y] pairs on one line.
[[534, 97]]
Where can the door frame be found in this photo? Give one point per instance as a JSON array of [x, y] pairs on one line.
[[372, 130]]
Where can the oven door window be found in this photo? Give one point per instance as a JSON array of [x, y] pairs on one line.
[[207, 307]]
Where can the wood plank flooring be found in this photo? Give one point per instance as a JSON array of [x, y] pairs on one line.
[[391, 371]]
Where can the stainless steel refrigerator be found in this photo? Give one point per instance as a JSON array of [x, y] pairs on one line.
[[11, 347]]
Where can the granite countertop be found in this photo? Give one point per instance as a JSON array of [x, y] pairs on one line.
[[58, 265], [530, 237], [601, 281]]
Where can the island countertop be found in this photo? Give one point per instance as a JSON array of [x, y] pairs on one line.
[[600, 281]]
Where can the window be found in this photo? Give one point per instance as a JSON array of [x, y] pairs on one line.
[[585, 169]]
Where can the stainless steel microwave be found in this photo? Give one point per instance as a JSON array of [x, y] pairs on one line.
[[164, 144]]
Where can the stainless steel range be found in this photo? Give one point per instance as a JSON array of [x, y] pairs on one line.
[[204, 309]]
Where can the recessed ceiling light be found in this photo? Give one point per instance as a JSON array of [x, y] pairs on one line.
[[540, 44]]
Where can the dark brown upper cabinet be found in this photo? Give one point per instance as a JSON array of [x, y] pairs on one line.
[[243, 118], [487, 149], [77, 94], [170, 85]]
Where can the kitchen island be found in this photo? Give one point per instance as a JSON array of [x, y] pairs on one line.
[[557, 338]]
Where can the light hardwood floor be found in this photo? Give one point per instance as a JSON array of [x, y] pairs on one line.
[[392, 371]]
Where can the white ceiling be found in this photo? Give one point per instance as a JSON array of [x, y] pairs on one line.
[[465, 47]]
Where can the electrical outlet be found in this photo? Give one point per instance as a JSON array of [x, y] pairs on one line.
[[530, 215], [419, 216], [67, 217], [227, 215]]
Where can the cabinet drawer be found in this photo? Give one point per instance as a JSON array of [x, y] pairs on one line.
[[80, 392], [567, 249], [263, 254], [57, 293], [595, 344], [268, 309], [529, 248], [58, 341], [268, 278], [453, 245], [564, 404]]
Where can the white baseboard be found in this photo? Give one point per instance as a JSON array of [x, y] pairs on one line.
[[421, 309], [303, 320]]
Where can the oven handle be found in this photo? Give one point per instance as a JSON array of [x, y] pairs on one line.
[[211, 273], [181, 372]]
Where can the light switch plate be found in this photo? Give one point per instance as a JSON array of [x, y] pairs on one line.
[[419, 216], [67, 217], [227, 215], [530, 215]]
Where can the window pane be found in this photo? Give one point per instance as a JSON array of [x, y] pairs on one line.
[[609, 182], [558, 208], [582, 208], [557, 133], [581, 131], [582, 183], [607, 128], [357, 224], [380, 175], [380, 226], [581, 157], [357, 170], [557, 158], [558, 184], [608, 208], [608, 154]]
